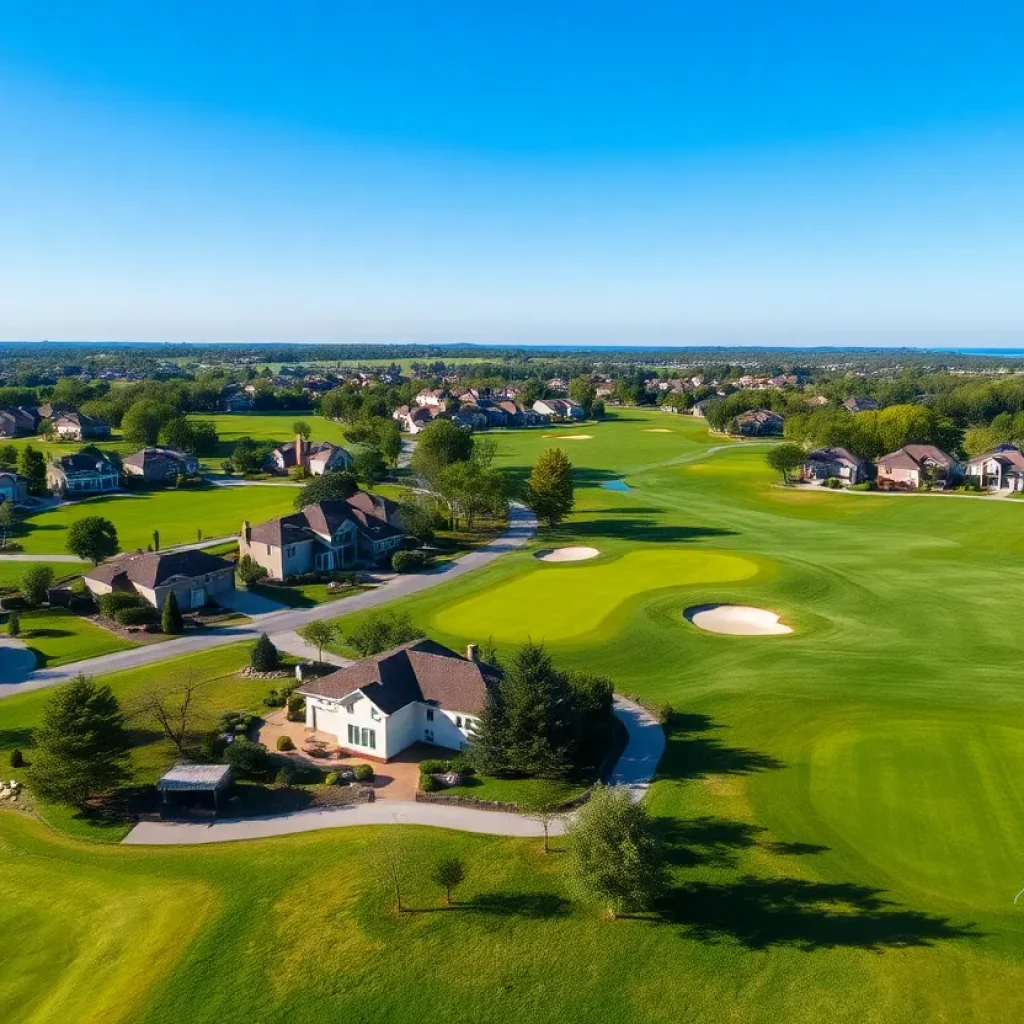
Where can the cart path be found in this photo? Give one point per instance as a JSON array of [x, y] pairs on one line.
[[522, 526], [635, 769]]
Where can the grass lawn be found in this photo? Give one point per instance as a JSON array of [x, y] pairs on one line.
[[178, 515], [265, 426], [304, 595], [11, 572], [60, 637], [522, 792], [844, 805]]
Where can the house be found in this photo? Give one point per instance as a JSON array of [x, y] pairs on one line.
[[758, 423], [433, 397], [559, 408], [700, 408], [1001, 469], [413, 419], [420, 692], [87, 472], [914, 464], [76, 426], [13, 487], [325, 537], [317, 459], [860, 405], [194, 577], [19, 421], [160, 465], [834, 463]]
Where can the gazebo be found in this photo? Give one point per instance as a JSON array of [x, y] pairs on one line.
[[194, 786]]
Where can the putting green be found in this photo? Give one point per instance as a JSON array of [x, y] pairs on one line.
[[560, 603], [934, 804]]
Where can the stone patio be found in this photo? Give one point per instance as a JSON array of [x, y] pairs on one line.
[[396, 780]]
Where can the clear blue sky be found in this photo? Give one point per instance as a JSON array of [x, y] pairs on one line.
[[599, 172]]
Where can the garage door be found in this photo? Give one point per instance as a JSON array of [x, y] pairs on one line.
[[326, 721]]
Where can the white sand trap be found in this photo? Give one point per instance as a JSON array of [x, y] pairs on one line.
[[567, 554], [571, 437], [657, 430], [736, 620]]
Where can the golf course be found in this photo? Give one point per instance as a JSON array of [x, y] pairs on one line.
[[843, 804]]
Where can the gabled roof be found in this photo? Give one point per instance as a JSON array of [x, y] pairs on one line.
[[89, 461], [368, 512], [1008, 454], [912, 456], [422, 671], [834, 454], [156, 455], [860, 404], [157, 569]]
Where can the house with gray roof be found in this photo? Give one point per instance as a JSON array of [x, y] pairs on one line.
[[420, 692], [160, 465], [83, 474], [195, 577], [999, 469], [19, 421], [833, 463]]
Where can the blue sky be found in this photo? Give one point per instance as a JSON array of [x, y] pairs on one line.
[[601, 172]]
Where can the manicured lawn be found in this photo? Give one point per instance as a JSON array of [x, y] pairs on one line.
[[265, 426], [11, 572], [845, 805], [523, 792], [304, 595], [177, 514], [61, 637]]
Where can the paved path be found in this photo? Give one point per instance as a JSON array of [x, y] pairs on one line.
[[635, 768], [522, 525]]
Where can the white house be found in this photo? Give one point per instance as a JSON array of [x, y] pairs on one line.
[[420, 692], [559, 408], [1001, 469]]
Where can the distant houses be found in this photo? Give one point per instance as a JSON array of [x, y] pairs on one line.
[[25, 421], [824, 464], [76, 426], [19, 422], [759, 423], [860, 405], [559, 408]]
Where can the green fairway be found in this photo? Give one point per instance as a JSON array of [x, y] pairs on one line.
[[844, 806], [177, 514]]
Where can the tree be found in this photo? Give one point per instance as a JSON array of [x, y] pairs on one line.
[[248, 456], [156, 540], [545, 811], [615, 857], [439, 445], [301, 428], [35, 583], [785, 458], [145, 419], [14, 624], [204, 437], [549, 491], [264, 657], [419, 515], [32, 466], [448, 873], [177, 433], [176, 711], [334, 486], [8, 456], [320, 633], [470, 490], [6, 520], [81, 745], [380, 631], [92, 538], [389, 440], [583, 393], [369, 465], [250, 571], [170, 618]]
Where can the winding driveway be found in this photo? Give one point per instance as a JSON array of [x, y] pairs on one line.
[[522, 525], [635, 769]]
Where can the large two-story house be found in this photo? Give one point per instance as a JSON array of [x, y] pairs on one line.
[[1001, 469], [909, 467], [317, 459], [327, 536], [420, 692], [85, 473], [19, 421], [160, 465], [76, 426]]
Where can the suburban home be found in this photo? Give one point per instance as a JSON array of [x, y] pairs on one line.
[[834, 463], [1001, 469], [316, 459], [19, 421], [13, 487], [194, 577], [76, 426], [559, 408], [759, 423], [160, 465], [436, 398], [87, 472], [412, 419], [420, 692], [860, 405], [324, 537], [700, 408], [914, 464]]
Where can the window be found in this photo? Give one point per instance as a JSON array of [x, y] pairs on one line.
[[370, 738], [458, 721], [430, 714], [353, 734]]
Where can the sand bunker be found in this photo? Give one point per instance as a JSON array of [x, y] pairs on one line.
[[657, 430], [567, 554], [570, 437], [736, 620]]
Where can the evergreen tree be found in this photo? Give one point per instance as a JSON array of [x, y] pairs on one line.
[[81, 746], [263, 657], [549, 491], [32, 466], [13, 624], [170, 618]]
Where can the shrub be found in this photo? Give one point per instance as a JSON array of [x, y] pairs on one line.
[[296, 708], [235, 721], [274, 699], [408, 561], [867, 485], [211, 748], [332, 779], [250, 760], [363, 773], [35, 583], [285, 743], [136, 616], [14, 624], [17, 759], [432, 766], [429, 784], [833, 483], [170, 619], [117, 600], [284, 776], [250, 571], [263, 657]]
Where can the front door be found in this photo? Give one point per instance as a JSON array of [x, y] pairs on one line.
[[198, 597]]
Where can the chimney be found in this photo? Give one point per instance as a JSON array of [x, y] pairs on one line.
[[246, 530], [298, 450], [472, 652]]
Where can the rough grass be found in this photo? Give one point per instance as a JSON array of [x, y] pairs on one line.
[[844, 806]]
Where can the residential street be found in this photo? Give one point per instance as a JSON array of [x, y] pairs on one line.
[[522, 525]]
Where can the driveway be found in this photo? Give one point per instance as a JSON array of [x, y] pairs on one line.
[[635, 768], [248, 603], [522, 525], [16, 660]]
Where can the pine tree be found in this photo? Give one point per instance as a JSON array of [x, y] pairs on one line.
[[13, 624], [549, 490], [263, 657], [170, 619]]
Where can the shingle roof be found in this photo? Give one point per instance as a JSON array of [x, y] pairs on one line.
[[369, 512], [157, 568], [421, 671], [834, 454], [911, 456], [1007, 454], [184, 777]]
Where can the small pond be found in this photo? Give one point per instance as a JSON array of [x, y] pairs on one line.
[[615, 485]]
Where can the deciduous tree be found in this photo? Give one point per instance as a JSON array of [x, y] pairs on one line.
[[92, 538], [785, 458], [549, 491], [320, 633]]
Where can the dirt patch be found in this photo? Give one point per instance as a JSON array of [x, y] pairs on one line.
[[736, 620], [566, 554]]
